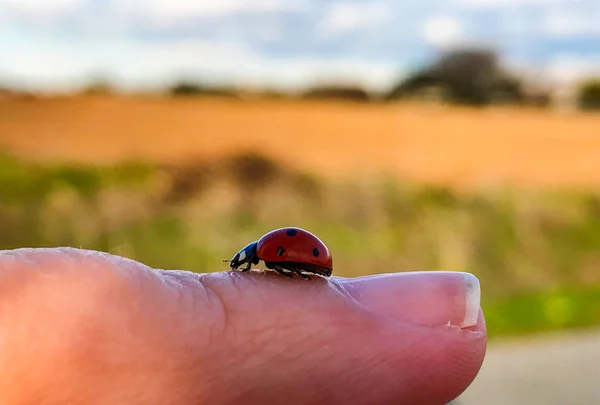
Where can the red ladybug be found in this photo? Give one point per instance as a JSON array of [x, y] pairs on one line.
[[287, 251]]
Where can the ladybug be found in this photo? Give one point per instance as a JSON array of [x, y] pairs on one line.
[[287, 251]]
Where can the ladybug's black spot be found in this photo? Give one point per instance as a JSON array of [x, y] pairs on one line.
[[291, 232], [315, 252], [280, 250]]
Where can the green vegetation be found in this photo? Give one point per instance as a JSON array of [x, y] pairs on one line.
[[544, 311], [534, 252]]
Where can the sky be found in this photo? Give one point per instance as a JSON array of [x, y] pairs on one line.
[[61, 44]]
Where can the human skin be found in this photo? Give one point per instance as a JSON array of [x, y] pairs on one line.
[[84, 327]]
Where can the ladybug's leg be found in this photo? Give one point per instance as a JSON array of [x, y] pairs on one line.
[[280, 270], [250, 260], [304, 276], [298, 270], [283, 272], [248, 266]]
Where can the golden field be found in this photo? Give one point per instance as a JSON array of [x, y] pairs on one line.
[[444, 145]]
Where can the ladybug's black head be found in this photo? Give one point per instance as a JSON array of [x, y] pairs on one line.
[[246, 255]]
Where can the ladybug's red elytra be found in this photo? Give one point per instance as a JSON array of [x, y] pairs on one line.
[[287, 250]]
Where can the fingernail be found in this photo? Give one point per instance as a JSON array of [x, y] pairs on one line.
[[435, 298], [472, 300]]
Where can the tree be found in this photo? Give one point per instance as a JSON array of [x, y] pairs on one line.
[[337, 92], [588, 94], [99, 83], [187, 88], [467, 76]]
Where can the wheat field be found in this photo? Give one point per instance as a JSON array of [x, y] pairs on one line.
[[424, 143]]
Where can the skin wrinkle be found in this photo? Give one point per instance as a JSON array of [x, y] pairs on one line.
[[185, 283], [177, 368], [224, 324], [292, 355], [243, 358], [216, 305], [199, 321], [277, 331], [348, 297], [282, 381], [240, 306], [185, 307], [340, 375], [259, 332], [191, 298], [176, 286]]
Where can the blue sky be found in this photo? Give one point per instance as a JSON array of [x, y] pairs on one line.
[[58, 44]]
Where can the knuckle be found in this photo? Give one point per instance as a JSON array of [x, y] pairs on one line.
[[238, 310]]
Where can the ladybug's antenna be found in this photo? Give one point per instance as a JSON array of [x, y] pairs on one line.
[[226, 260]]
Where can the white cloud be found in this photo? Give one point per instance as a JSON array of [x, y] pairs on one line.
[[375, 77], [270, 32], [346, 16], [44, 67], [567, 69], [236, 63], [172, 11], [66, 63], [37, 10], [443, 31], [62, 66], [40, 6], [563, 22], [183, 56], [508, 3]]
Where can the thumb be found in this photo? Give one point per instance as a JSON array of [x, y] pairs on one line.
[[103, 328]]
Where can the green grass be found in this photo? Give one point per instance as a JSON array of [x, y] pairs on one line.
[[534, 252], [544, 311]]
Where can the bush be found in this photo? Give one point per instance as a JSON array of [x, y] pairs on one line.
[[349, 93], [98, 87], [588, 97], [185, 89], [189, 88]]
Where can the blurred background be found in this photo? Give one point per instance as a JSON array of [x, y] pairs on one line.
[[440, 135]]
